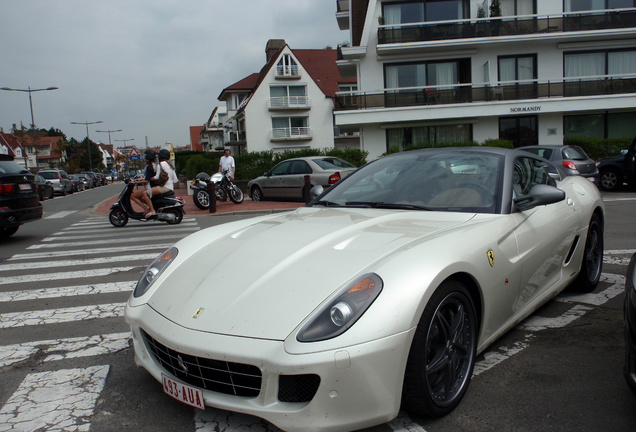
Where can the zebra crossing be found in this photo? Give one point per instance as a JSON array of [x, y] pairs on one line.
[[41, 288]]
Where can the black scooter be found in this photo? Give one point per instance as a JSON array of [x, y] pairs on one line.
[[169, 208]]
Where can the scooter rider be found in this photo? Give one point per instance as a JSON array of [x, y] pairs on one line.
[[164, 165], [149, 177]]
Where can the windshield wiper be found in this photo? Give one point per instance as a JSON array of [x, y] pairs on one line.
[[383, 205], [327, 203]]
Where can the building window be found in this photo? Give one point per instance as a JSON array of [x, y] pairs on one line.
[[236, 100], [290, 127], [284, 97], [521, 131], [287, 91], [589, 5], [600, 126], [598, 63], [518, 7], [422, 11], [399, 139], [517, 68], [424, 74], [287, 67]]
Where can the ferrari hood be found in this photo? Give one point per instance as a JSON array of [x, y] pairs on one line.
[[262, 280]]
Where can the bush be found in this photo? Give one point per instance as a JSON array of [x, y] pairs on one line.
[[598, 149]]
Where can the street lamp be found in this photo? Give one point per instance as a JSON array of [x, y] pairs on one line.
[[109, 132], [88, 138], [126, 140], [30, 90]]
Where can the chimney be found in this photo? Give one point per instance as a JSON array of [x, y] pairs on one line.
[[272, 47]]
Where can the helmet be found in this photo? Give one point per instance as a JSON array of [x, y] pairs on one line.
[[150, 155], [203, 176], [164, 154]]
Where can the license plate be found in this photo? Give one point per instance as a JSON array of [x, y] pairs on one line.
[[25, 186], [182, 392]]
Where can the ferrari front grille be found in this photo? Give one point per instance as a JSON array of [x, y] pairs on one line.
[[215, 375]]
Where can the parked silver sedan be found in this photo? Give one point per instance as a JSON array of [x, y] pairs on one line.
[[572, 159], [287, 179]]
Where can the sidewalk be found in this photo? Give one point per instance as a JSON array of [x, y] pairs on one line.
[[222, 208]]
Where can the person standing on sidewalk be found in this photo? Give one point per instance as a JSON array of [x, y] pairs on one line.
[[227, 164]]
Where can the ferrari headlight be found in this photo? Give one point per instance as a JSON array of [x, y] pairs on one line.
[[343, 311], [153, 271]]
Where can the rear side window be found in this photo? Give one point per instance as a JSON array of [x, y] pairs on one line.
[[10, 167]]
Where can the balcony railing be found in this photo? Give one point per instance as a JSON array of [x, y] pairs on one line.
[[507, 26], [289, 102], [287, 71], [236, 136], [292, 133], [503, 91]]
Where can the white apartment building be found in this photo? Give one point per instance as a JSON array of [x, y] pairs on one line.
[[436, 71], [288, 105]]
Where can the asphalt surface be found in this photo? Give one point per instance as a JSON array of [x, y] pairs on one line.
[[222, 207]]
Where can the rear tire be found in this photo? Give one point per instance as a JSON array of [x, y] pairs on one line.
[[178, 216], [8, 232], [442, 356], [118, 218], [201, 199], [257, 194]]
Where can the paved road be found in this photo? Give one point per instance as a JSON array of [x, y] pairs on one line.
[[66, 362]]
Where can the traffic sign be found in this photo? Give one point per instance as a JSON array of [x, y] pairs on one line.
[[134, 154]]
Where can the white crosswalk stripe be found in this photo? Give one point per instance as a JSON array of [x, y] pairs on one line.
[[93, 250]]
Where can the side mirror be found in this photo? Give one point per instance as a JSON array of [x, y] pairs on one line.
[[539, 195], [316, 191]]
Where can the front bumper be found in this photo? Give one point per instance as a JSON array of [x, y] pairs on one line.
[[360, 386]]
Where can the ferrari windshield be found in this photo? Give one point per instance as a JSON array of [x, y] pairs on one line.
[[436, 180]]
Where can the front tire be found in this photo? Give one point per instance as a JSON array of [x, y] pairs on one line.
[[118, 218], [442, 356], [610, 180], [201, 199], [592, 263], [236, 194]]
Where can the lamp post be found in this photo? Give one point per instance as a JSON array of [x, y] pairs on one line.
[[30, 90], [88, 139], [109, 132]]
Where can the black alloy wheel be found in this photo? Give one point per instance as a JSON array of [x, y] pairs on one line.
[[592, 263]]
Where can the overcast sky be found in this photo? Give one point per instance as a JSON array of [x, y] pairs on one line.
[[152, 68]]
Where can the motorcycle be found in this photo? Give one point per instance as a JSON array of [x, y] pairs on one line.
[[223, 187], [169, 208]]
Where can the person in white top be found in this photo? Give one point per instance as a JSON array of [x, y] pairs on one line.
[[227, 164], [164, 165]]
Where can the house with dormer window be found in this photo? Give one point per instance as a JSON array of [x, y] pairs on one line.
[[528, 71], [288, 105]]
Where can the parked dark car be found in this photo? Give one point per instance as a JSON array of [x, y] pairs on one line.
[[630, 324], [287, 179], [78, 182], [572, 159], [617, 170], [19, 202], [45, 188], [59, 179]]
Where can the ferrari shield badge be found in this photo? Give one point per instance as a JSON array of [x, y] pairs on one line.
[[491, 257], [197, 313]]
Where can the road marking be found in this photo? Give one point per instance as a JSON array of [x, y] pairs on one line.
[[77, 262], [64, 315], [69, 236], [60, 215], [70, 291], [93, 243], [57, 400], [61, 349], [89, 251], [67, 275]]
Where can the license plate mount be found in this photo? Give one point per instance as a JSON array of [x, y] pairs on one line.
[[183, 392]]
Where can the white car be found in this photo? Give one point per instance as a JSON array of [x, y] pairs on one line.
[[377, 295]]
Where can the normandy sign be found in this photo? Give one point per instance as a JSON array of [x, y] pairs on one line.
[[524, 109]]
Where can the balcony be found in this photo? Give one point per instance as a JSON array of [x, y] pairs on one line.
[[291, 134], [342, 14], [289, 103], [287, 72], [507, 26], [503, 91], [236, 138]]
